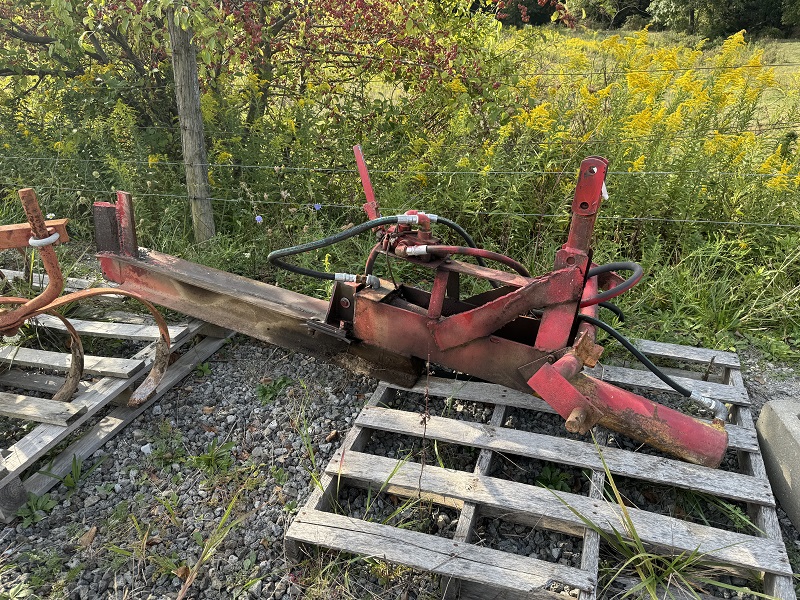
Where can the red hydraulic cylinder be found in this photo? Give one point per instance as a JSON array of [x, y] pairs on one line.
[[585, 401]]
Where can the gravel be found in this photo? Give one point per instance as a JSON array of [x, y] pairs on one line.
[[163, 486]]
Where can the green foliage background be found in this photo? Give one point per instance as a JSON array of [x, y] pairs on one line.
[[701, 137]]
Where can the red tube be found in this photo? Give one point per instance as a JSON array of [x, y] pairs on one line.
[[373, 255], [480, 252]]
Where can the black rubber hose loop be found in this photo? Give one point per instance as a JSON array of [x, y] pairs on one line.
[[637, 353], [616, 290], [275, 256], [614, 309]]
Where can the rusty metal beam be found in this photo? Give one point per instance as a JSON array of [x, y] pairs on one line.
[[403, 328], [260, 310], [17, 236], [554, 288]]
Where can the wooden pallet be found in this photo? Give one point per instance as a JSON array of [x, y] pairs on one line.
[[60, 421], [469, 570]]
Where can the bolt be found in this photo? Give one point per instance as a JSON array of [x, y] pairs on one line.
[[344, 303], [551, 359]]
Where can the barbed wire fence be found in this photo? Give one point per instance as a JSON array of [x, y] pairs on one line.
[[55, 183]]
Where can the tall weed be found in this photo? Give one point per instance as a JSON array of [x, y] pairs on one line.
[[700, 140]]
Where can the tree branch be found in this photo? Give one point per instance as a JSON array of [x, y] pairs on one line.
[[278, 25], [99, 53], [20, 33], [122, 42], [8, 72]]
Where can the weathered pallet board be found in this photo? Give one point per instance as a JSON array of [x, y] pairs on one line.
[[101, 329], [35, 382], [87, 403], [478, 493], [40, 410], [535, 506], [645, 379], [571, 452], [688, 354], [39, 281], [56, 361], [739, 438], [463, 561]]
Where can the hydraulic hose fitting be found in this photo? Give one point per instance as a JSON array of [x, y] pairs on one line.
[[408, 219], [369, 280], [718, 408], [416, 250]]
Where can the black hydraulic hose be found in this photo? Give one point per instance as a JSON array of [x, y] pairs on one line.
[[616, 290], [276, 255], [614, 309], [635, 351], [463, 233]]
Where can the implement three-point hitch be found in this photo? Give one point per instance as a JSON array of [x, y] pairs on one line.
[[533, 334], [528, 333]]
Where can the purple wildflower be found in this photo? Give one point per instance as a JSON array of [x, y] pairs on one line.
[[259, 219], [317, 206]]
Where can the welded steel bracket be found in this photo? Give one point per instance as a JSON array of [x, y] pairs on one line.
[[533, 334]]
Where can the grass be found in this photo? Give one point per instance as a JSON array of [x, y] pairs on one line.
[[76, 475], [269, 389], [212, 543], [35, 509], [658, 576], [700, 507], [217, 458], [168, 446], [327, 574]]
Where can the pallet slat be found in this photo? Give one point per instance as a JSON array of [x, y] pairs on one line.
[[39, 281], [40, 410], [646, 379], [55, 361], [739, 438], [571, 452], [110, 425], [35, 382], [430, 553], [543, 506], [101, 329], [688, 353], [590, 553]]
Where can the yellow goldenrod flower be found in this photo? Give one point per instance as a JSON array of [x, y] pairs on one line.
[[638, 164], [456, 86]]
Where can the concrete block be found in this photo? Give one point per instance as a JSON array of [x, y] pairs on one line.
[[779, 436]]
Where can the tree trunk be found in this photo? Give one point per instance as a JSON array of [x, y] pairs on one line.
[[187, 95]]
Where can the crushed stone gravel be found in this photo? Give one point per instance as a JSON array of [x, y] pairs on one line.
[[253, 435]]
